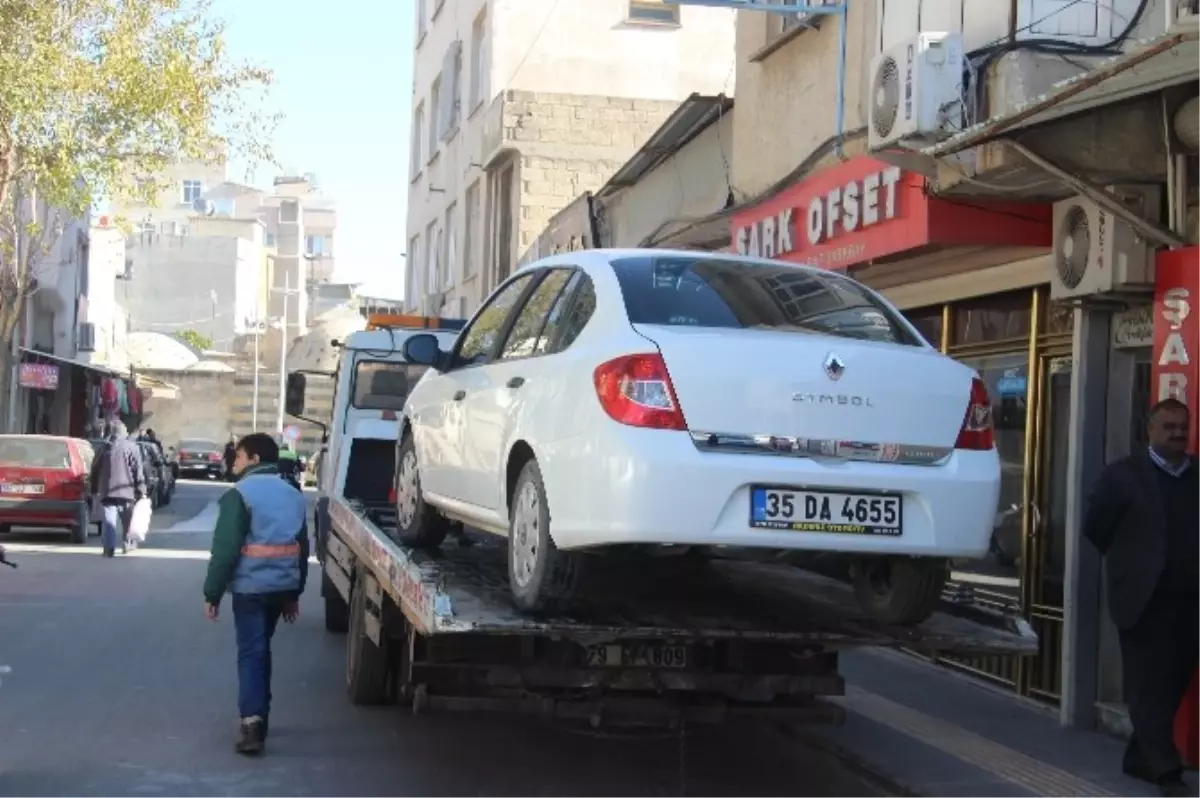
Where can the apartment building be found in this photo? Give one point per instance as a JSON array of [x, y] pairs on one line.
[[519, 106]]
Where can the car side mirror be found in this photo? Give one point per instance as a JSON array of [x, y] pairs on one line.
[[294, 400], [423, 350]]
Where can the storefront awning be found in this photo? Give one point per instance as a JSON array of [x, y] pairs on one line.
[[1168, 60], [100, 369]]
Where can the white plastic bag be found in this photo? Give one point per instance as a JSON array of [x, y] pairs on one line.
[[139, 523]]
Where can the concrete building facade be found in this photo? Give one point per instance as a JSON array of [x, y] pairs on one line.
[[518, 107]]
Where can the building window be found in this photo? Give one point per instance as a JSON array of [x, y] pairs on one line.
[[454, 101], [412, 265], [422, 21], [471, 230], [435, 97], [450, 256], [316, 245], [192, 189], [653, 11], [432, 248], [269, 240], [418, 130], [478, 68]]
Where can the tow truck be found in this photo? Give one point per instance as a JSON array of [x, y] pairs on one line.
[[667, 641]]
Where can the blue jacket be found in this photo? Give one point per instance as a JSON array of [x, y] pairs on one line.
[[260, 544]]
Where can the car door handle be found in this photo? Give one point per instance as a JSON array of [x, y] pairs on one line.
[[515, 382], [460, 395]]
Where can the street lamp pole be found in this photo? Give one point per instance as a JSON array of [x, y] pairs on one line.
[[283, 323], [254, 405]]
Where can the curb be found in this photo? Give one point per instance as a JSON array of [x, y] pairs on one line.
[[859, 765]]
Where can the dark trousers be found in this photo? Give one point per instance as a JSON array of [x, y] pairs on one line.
[[1158, 657], [255, 618]]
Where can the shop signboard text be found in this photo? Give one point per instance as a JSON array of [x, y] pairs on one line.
[[1177, 328]]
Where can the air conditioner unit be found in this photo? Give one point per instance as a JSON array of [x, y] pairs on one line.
[[916, 92], [87, 337], [1096, 253]]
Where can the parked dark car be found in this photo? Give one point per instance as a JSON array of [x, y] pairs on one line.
[[163, 474], [199, 457], [154, 474]]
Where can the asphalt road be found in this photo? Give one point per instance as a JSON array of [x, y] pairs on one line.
[[118, 686]]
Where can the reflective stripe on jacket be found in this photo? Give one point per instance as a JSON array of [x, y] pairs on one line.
[[270, 555]]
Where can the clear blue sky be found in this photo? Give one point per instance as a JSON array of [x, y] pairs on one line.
[[343, 75]]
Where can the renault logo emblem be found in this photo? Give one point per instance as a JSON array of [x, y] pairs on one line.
[[834, 367]]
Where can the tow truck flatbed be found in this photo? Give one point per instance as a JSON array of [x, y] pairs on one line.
[[464, 590]]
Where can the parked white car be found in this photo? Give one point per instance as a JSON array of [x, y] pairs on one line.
[[655, 397]]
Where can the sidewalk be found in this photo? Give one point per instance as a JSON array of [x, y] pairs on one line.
[[928, 731]]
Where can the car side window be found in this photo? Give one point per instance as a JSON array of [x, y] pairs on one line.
[[578, 313], [554, 321], [527, 328], [478, 341]]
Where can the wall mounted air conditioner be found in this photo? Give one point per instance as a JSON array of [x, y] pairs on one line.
[[1096, 253], [916, 92], [86, 341]]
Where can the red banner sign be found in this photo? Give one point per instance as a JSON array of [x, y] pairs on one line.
[[864, 210], [1177, 329], [38, 376]]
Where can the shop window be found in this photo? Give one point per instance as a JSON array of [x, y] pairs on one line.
[[928, 322], [1001, 317]]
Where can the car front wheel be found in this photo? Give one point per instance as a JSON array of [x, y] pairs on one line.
[[417, 524], [899, 590], [542, 578]]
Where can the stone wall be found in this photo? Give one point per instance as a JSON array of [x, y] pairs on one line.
[[568, 144], [202, 407]]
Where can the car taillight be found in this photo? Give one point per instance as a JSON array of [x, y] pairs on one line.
[[977, 433], [214, 457], [75, 487], [636, 390]]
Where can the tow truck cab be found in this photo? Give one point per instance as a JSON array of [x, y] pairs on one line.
[[371, 384]]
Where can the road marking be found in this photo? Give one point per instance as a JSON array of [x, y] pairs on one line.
[[203, 521], [1013, 766]]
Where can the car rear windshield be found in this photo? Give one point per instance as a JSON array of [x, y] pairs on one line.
[[732, 294], [384, 385], [34, 453], [199, 446]]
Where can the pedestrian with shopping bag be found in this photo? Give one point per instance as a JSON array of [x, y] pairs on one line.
[[118, 478], [259, 556]]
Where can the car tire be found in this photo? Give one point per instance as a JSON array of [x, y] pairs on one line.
[[417, 524], [83, 523], [366, 663], [337, 611], [903, 591], [542, 578]]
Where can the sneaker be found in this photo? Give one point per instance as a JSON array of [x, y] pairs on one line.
[[253, 737]]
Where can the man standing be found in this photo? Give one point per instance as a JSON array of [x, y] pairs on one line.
[[260, 556], [228, 457], [1144, 517], [119, 478]]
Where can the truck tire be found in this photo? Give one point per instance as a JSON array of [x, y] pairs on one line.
[[366, 663], [899, 590], [83, 523], [417, 524], [542, 579], [337, 612]]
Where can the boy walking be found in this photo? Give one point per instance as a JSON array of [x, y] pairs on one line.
[[259, 556]]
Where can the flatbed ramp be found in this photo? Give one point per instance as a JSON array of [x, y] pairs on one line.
[[464, 590]]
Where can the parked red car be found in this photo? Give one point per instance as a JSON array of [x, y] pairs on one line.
[[44, 483]]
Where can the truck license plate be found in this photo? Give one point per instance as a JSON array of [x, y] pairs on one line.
[[637, 655]]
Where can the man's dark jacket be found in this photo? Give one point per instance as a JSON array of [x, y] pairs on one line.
[[1127, 522], [119, 474]]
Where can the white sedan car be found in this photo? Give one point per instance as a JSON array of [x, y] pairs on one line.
[[652, 397]]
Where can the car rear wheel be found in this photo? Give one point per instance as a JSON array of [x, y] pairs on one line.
[[417, 524], [899, 590], [83, 523], [542, 578]]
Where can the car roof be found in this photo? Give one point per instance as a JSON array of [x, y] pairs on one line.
[[590, 259]]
